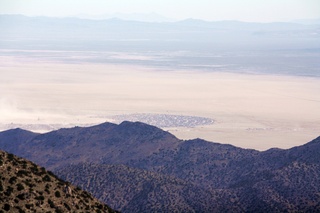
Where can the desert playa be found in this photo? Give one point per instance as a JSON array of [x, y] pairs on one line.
[[249, 110]]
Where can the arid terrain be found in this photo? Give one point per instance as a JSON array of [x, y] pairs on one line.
[[249, 110]]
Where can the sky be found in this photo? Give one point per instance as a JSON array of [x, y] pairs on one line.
[[211, 10]]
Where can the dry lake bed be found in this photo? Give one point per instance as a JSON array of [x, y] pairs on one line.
[[246, 110]]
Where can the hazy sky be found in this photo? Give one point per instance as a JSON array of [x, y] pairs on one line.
[[243, 10]]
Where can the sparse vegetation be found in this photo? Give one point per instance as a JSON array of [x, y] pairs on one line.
[[25, 187]]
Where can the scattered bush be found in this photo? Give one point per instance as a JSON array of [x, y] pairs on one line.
[[41, 197], [6, 207], [29, 206], [9, 191], [12, 180], [57, 194], [67, 206], [22, 173], [46, 178], [50, 202], [10, 157], [20, 187]]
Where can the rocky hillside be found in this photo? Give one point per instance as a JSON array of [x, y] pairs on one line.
[[152, 169], [26, 187]]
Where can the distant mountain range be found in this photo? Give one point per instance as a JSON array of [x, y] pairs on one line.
[[136, 167], [143, 17], [227, 46], [48, 28]]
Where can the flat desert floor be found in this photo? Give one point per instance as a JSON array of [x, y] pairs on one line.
[[250, 111]]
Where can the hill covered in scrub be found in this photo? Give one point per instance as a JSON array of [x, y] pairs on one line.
[[136, 190], [136, 167], [26, 187]]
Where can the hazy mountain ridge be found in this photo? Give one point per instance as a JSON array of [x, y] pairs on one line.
[[48, 28], [227, 46], [26, 187], [250, 180]]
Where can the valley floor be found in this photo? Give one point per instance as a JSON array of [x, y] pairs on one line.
[[249, 110]]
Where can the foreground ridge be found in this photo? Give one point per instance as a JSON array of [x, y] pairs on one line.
[[26, 187]]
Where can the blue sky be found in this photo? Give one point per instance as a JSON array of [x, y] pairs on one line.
[[243, 10]]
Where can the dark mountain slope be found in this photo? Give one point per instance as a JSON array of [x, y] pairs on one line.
[[26, 187], [135, 190], [11, 140], [201, 162], [102, 143]]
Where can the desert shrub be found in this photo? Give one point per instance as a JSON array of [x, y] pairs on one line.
[[42, 171], [21, 196], [6, 207], [22, 173], [34, 169], [24, 164], [20, 210], [46, 178], [10, 157], [9, 191], [12, 180], [67, 206], [41, 197], [50, 202], [20, 187], [57, 194], [29, 206], [58, 210], [100, 206]]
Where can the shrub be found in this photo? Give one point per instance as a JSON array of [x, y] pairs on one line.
[[46, 178], [50, 202], [6, 207], [10, 157], [22, 173], [58, 210], [20, 187], [21, 196], [67, 206], [12, 180], [34, 169], [57, 194], [9, 191], [39, 197], [29, 206]]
